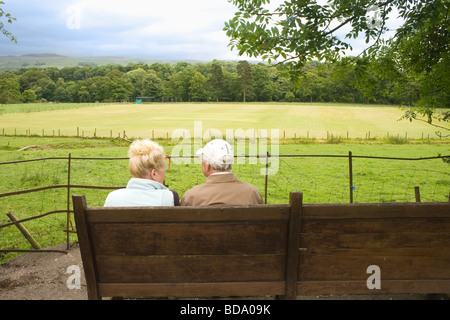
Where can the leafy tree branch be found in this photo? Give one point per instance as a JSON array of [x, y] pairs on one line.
[[9, 19]]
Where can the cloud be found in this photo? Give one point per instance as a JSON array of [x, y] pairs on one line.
[[135, 28]]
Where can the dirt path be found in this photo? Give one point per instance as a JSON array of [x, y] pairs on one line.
[[41, 276]]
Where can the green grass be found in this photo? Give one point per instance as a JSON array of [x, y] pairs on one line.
[[322, 179], [159, 120], [40, 107]]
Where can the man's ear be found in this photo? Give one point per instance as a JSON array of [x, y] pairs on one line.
[[206, 167]]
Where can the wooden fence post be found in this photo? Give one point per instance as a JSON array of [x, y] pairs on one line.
[[266, 177], [417, 193], [68, 222], [24, 231], [350, 174]]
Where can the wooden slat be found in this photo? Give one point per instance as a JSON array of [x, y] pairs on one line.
[[360, 287], [187, 214], [364, 252], [331, 267], [190, 238], [376, 240], [377, 210], [187, 269], [193, 290], [404, 224], [252, 289]]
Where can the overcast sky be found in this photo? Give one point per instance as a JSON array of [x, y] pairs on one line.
[[171, 29], [162, 29]]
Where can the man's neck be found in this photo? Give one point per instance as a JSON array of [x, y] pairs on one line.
[[219, 172]]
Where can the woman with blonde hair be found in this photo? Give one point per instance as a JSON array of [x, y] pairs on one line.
[[148, 170]]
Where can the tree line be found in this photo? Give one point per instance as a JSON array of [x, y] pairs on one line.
[[224, 81]]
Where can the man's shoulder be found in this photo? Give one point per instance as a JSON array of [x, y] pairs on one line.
[[248, 185], [233, 179], [249, 188], [189, 196], [195, 188]]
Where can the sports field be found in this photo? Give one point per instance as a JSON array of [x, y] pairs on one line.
[[160, 120]]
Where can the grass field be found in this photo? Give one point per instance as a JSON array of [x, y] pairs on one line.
[[159, 120], [321, 179]]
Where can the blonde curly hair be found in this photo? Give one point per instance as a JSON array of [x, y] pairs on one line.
[[145, 155]]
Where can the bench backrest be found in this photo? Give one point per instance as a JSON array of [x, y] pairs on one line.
[[189, 251], [286, 249]]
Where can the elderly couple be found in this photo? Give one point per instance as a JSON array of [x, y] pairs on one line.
[[148, 171]]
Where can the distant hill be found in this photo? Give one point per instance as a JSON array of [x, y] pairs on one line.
[[45, 60]]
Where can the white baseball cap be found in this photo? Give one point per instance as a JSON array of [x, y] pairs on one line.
[[218, 151]]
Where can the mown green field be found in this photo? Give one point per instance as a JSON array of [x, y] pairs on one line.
[[159, 120], [322, 179]]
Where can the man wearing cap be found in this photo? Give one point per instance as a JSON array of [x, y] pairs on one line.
[[221, 186]]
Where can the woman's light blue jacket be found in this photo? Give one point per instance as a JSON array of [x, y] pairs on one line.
[[140, 193]]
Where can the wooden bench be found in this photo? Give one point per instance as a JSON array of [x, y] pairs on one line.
[[265, 250]]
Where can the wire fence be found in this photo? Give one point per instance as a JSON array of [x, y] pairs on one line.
[[40, 190], [162, 134]]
